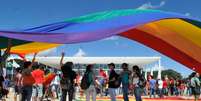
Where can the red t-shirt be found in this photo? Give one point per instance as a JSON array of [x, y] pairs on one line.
[[38, 75], [164, 84], [28, 80]]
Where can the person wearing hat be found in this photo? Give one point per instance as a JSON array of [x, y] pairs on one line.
[[125, 78], [113, 76]]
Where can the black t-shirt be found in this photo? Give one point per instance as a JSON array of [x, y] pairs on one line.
[[72, 75], [112, 75]]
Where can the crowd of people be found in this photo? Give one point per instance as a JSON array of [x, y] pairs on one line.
[[173, 86], [30, 83]]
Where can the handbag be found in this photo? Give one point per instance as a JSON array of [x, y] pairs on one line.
[[117, 81], [196, 89]]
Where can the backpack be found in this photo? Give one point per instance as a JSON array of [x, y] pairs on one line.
[[195, 87], [66, 83], [84, 82], [117, 81], [194, 83], [142, 82]]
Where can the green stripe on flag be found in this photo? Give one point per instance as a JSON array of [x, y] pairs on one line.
[[108, 15], [4, 42]]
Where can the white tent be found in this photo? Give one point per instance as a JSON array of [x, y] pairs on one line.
[[54, 61]]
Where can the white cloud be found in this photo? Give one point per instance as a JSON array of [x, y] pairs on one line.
[[117, 43], [187, 14], [122, 45], [150, 6], [80, 53], [111, 38]]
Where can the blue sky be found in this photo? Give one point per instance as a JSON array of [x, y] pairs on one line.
[[22, 14]]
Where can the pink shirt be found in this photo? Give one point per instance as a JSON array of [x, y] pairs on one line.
[[38, 75]]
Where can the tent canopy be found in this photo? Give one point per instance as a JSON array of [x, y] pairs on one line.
[[55, 61]]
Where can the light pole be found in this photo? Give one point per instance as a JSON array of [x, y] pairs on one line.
[[159, 69]]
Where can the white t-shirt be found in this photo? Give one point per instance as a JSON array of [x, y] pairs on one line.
[[56, 80], [135, 80], [160, 84], [4, 72]]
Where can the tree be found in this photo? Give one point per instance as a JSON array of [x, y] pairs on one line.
[[171, 74]]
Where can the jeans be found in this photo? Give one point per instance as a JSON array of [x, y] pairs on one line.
[[70, 94], [152, 92], [144, 91], [112, 94], [125, 92], [165, 91], [91, 91], [1, 93], [189, 91], [160, 92], [137, 93], [26, 93], [176, 91], [172, 90], [55, 88]]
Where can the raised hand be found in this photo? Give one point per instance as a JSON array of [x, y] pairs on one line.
[[33, 60], [62, 57], [9, 42], [62, 54], [7, 51]]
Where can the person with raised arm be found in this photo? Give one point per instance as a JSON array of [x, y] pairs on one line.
[[67, 80], [27, 80], [3, 59]]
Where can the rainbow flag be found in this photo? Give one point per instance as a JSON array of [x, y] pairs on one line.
[[174, 35]]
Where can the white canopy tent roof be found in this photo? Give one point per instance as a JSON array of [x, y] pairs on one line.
[[54, 61], [14, 63]]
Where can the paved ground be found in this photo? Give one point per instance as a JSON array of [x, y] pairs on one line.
[[119, 98], [131, 98]]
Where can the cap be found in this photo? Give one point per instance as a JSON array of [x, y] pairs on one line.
[[111, 64]]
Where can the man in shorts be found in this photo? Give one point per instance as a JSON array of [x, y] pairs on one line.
[[38, 75]]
